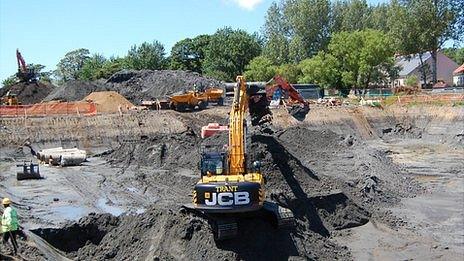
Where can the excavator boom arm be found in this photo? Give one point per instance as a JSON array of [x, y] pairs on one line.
[[237, 128], [21, 62], [292, 92]]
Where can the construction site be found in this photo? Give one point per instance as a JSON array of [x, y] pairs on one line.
[[103, 170]]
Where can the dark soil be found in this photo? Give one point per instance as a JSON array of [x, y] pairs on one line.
[[149, 85], [321, 201], [136, 86], [76, 90], [29, 93]]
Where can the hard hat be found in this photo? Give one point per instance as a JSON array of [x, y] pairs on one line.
[[6, 201]]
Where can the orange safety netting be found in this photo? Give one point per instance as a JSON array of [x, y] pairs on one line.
[[46, 109]]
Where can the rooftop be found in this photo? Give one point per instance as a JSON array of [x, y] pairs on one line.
[[408, 63]]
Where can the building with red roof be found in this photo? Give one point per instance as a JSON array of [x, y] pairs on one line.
[[458, 76]]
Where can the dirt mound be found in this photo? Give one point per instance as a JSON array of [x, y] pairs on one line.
[[172, 234], [108, 101], [29, 93], [75, 90], [134, 85], [147, 84], [368, 172], [88, 230]]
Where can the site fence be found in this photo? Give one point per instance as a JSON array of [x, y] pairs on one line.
[[427, 99], [49, 109]]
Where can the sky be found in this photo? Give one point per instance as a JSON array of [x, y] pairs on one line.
[[45, 30]]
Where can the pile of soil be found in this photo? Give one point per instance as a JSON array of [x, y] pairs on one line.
[[108, 101], [75, 90], [29, 93], [173, 234], [148, 85], [136, 86]]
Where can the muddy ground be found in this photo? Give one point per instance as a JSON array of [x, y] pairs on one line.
[[364, 184]]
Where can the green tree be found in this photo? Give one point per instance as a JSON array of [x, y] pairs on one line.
[[378, 18], [411, 80], [146, 56], [425, 25], [353, 60], [350, 15], [276, 34], [228, 52], [260, 69], [110, 67], [188, 54], [71, 65], [91, 67], [9, 81], [291, 72], [296, 29], [455, 54], [322, 69]]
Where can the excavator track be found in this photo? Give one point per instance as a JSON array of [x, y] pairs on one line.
[[225, 229], [282, 217]]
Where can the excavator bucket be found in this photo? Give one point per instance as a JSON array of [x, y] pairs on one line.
[[298, 111], [259, 109]]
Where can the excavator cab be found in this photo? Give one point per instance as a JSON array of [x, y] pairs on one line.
[[212, 163]]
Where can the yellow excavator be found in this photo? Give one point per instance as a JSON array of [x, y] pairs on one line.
[[10, 99], [228, 190]]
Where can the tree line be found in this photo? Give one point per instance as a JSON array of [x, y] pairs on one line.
[[342, 44]]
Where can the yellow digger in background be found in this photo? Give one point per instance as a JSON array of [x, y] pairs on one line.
[[198, 98], [10, 99]]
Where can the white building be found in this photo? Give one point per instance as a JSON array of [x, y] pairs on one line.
[[410, 65], [458, 76]]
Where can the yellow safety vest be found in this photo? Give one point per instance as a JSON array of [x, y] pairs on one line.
[[9, 220]]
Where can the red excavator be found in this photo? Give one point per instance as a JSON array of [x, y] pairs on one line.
[[296, 105], [25, 73], [259, 101]]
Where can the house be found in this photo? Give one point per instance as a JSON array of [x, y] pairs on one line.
[[410, 65], [458, 76]]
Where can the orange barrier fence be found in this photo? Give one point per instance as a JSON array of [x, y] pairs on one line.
[[52, 108]]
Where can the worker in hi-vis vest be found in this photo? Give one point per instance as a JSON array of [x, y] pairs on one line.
[[10, 224]]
